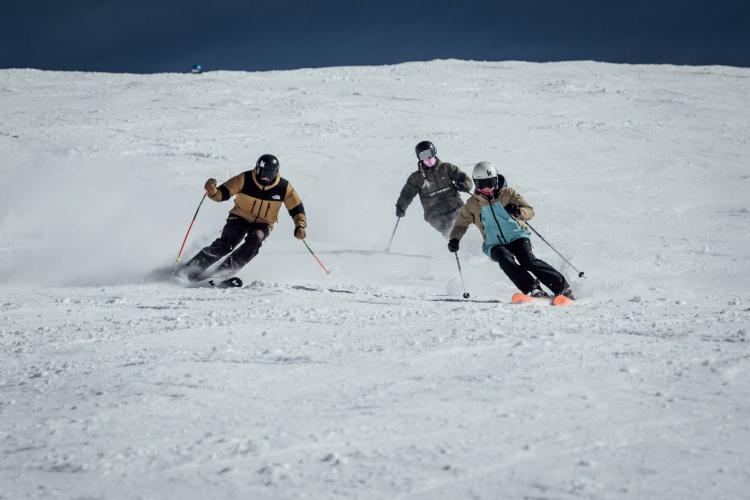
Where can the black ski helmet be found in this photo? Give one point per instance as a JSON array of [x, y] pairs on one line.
[[266, 169], [425, 146]]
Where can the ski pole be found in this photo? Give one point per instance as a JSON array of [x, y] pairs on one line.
[[316, 257], [393, 234], [191, 226], [580, 273], [460, 273]]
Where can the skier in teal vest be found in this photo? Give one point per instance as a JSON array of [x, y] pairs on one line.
[[499, 212]]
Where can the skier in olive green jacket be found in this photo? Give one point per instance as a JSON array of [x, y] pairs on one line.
[[437, 183], [499, 212]]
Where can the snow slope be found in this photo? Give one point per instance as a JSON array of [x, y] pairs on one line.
[[376, 381]]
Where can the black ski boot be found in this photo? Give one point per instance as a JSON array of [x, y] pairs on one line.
[[195, 267], [537, 292], [568, 293]]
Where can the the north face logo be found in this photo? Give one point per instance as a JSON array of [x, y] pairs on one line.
[[276, 197]]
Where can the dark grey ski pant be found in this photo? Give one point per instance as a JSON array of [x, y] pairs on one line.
[[443, 222], [520, 272]]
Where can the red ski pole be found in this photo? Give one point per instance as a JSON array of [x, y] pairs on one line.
[[191, 226], [316, 257]]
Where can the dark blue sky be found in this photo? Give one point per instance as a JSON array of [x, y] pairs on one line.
[[168, 35]]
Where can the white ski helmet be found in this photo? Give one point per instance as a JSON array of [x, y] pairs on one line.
[[485, 175]]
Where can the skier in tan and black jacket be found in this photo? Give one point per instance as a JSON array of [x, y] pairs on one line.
[[258, 195], [499, 212]]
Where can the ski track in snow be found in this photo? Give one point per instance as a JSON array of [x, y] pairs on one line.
[[376, 381]]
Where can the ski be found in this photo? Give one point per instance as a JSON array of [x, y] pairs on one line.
[[557, 300], [458, 299], [233, 282], [522, 298], [561, 301]]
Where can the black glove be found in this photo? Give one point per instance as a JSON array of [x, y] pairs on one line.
[[400, 212], [453, 245], [461, 187], [513, 209]]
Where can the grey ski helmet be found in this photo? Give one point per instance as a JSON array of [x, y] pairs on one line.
[[485, 175]]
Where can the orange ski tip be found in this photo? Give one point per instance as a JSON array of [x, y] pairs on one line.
[[519, 298], [561, 300]]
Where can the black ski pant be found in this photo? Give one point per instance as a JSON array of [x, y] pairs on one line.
[[520, 272], [235, 230]]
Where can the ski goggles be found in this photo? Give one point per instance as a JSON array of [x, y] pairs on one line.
[[426, 154], [266, 174], [486, 183]]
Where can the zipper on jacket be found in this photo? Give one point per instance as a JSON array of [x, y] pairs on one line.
[[436, 178], [260, 207], [503, 240]]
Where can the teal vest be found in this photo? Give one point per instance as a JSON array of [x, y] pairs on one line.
[[499, 227]]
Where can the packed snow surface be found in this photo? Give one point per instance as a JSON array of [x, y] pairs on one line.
[[376, 381]]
